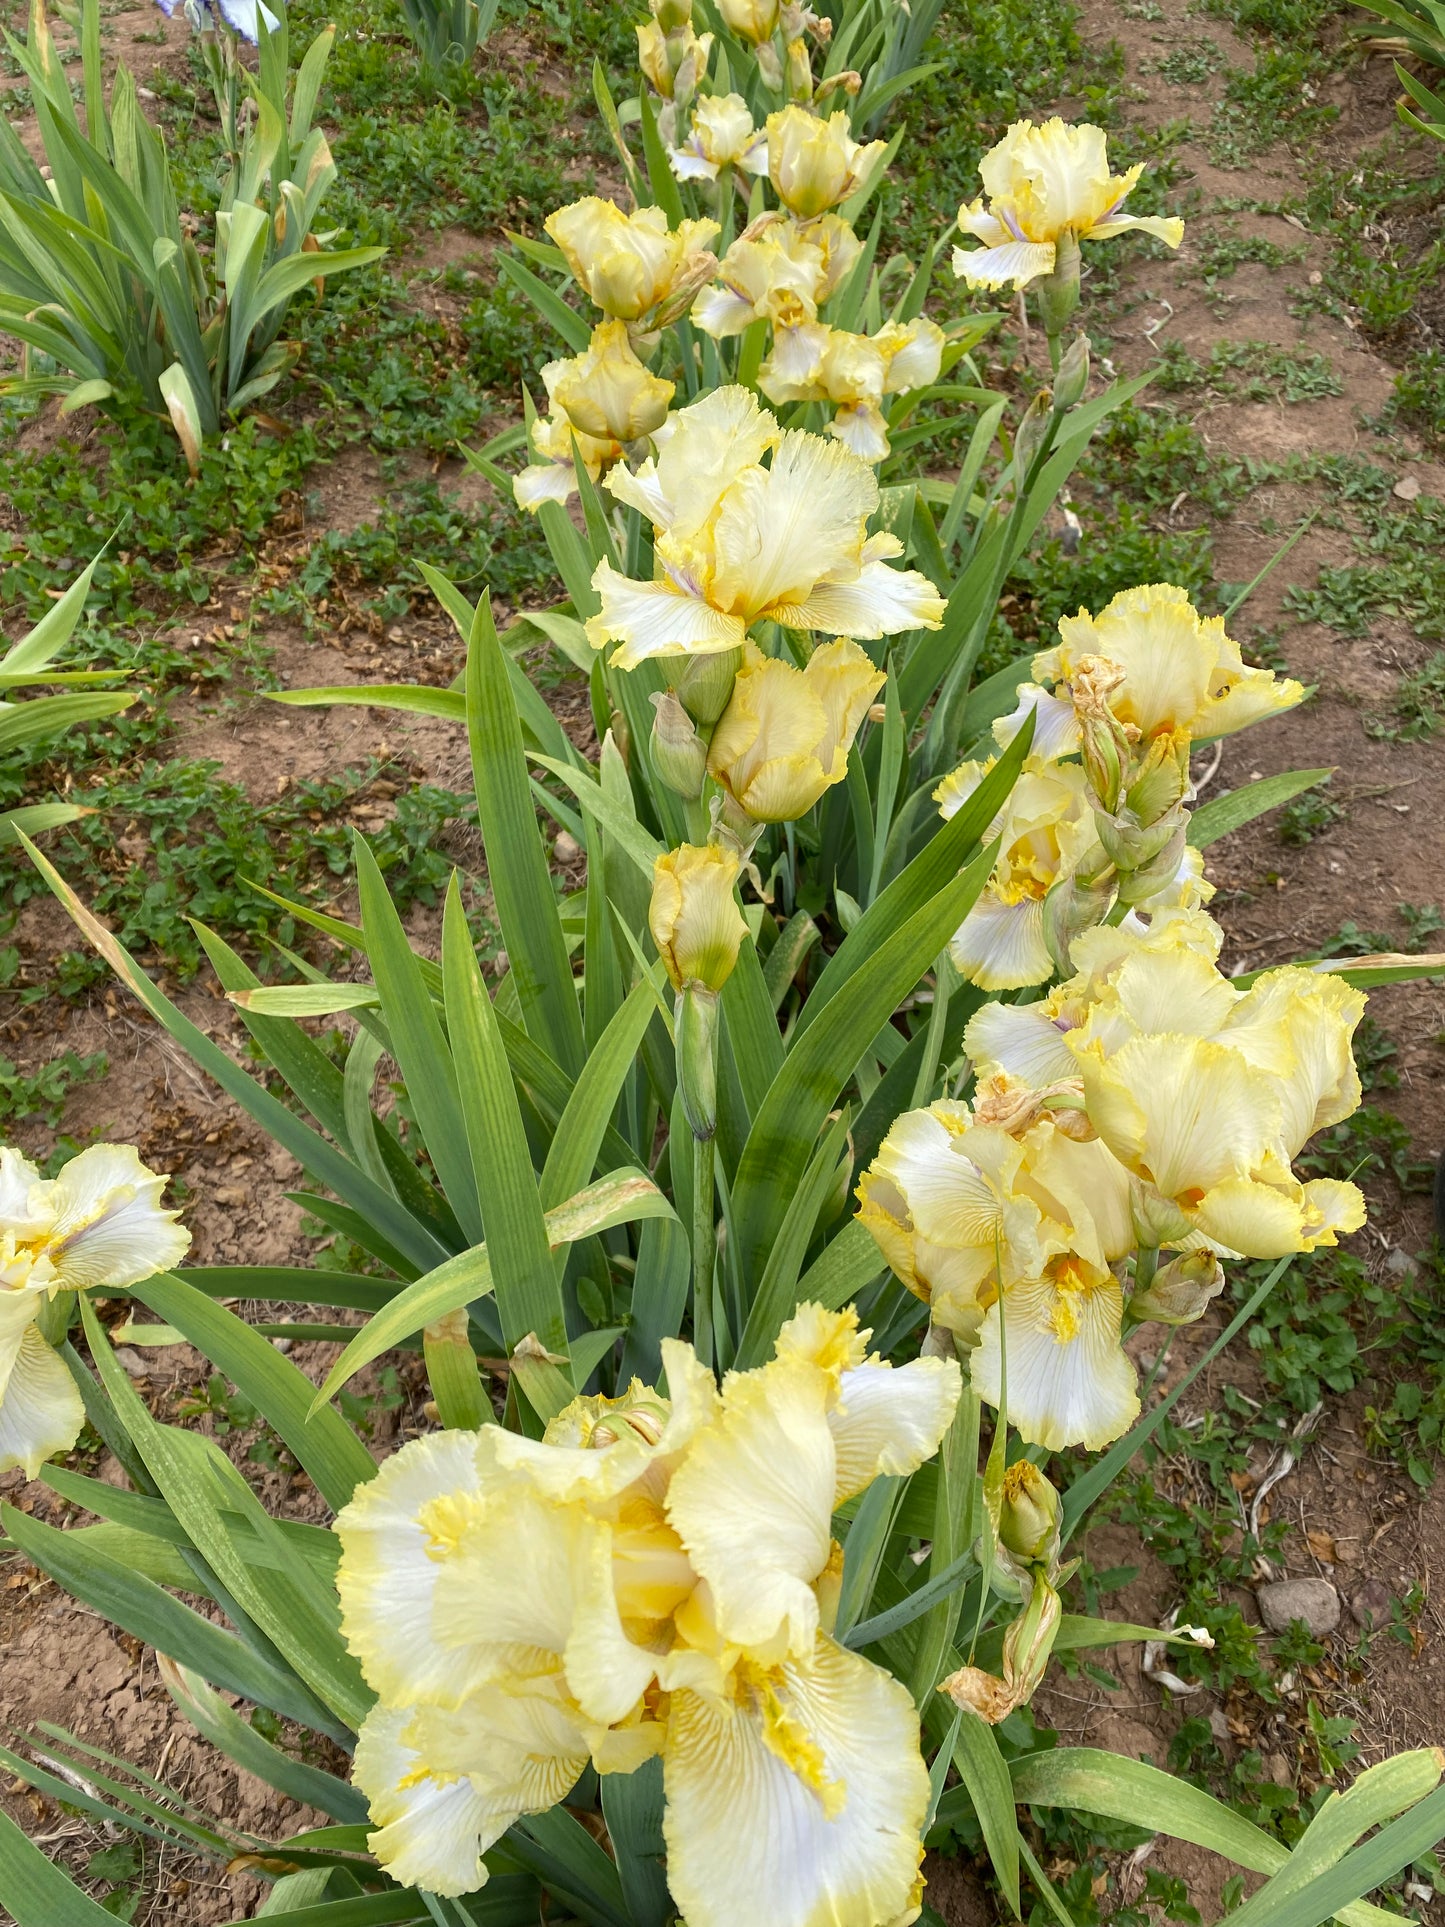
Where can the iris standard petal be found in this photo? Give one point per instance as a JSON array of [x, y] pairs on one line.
[[753, 1504], [889, 1419]]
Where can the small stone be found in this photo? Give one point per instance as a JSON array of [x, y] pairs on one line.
[[1370, 1606], [1400, 1264], [566, 849], [1314, 1601], [230, 1194], [1407, 488], [131, 1362], [1219, 1726]]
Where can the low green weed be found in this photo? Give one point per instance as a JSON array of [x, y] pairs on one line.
[[1278, 101], [1252, 370], [30, 1097], [176, 840]]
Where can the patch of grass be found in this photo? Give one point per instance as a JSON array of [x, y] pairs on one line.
[[40, 1096], [1190, 65], [176, 840], [372, 570], [1252, 370], [1384, 219], [1302, 820], [1278, 101], [1404, 577], [1419, 397], [1217, 257]]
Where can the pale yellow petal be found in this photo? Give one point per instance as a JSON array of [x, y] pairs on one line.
[[656, 619], [41, 1412], [782, 529], [110, 1230], [1069, 1380], [889, 1419], [1010, 264], [750, 1840], [877, 601], [1000, 945], [389, 1567], [429, 1830], [753, 1503]]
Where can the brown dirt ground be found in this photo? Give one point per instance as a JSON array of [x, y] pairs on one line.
[[59, 1662]]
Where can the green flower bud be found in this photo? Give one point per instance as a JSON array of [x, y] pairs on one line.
[[1071, 383], [695, 1026], [1058, 292], [706, 685], [679, 755], [1072, 906], [1028, 1523]]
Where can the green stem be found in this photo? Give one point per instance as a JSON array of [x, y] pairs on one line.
[[704, 1247], [1146, 1263]]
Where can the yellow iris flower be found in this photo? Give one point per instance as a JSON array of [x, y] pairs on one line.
[[855, 373], [814, 163], [1205, 1092], [1208, 1093], [98, 1226], [1181, 672], [752, 20], [1047, 186], [653, 1576], [694, 918], [1046, 827], [632, 265], [602, 399], [785, 735], [738, 543], [722, 135], [1001, 1217]]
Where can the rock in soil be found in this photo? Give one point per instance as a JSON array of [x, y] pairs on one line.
[[1370, 1606], [1315, 1601]]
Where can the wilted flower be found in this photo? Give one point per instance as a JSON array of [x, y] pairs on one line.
[[721, 135], [611, 1592], [1048, 188], [1180, 671], [632, 265], [855, 372], [99, 1225], [785, 735], [738, 543], [1026, 1648], [1181, 1291], [694, 918], [813, 163]]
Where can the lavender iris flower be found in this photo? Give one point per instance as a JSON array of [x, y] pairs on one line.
[[239, 15]]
